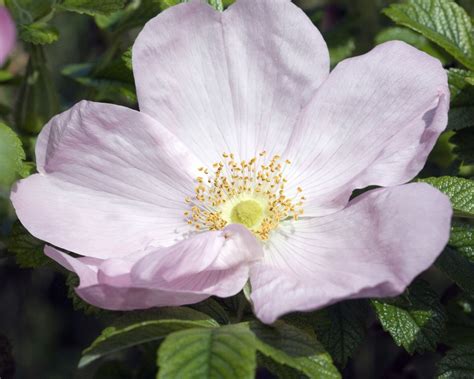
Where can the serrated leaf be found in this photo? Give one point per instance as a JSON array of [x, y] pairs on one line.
[[462, 238], [39, 33], [461, 113], [459, 190], [92, 7], [409, 36], [227, 352], [141, 327], [415, 320], [458, 81], [291, 347], [341, 328], [72, 281], [27, 249], [461, 117], [127, 58], [458, 268], [442, 21], [11, 156], [458, 363], [464, 144]]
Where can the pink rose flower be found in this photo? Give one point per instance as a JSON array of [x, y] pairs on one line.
[[7, 34], [240, 166]]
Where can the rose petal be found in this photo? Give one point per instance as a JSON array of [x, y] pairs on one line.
[[204, 263], [372, 122], [7, 34], [111, 181], [373, 248], [232, 81], [212, 263]]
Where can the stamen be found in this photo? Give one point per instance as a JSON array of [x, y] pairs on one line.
[[243, 192]]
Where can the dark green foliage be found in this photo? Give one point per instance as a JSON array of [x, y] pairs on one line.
[[416, 319]]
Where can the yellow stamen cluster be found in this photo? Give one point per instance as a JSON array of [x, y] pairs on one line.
[[234, 187]]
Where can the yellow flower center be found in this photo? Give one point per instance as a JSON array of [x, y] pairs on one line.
[[248, 213], [251, 193]]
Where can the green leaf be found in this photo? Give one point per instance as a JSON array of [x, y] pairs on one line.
[[464, 144], [458, 81], [216, 4], [415, 320], [458, 268], [461, 113], [30, 11], [441, 21], [291, 347], [127, 58], [141, 327], [460, 327], [341, 328], [72, 281], [92, 7], [462, 238], [11, 156], [212, 308], [458, 363], [461, 117], [27, 249], [39, 33], [227, 352], [111, 82], [459, 190], [136, 14], [406, 35], [38, 99]]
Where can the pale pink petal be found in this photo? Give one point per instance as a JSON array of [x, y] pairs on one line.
[[232, 81], [111, 181], [373, 248], [212, 263], [115, 293], [7, 34], [372, 122]]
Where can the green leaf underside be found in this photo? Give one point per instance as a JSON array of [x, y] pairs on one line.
[[294, 349], [458, 268], [441, 21], [137, 328], [457, 364], [459, 190], [227, 352], [415, 320], [11, 156], [92, 7], [341, 328]]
